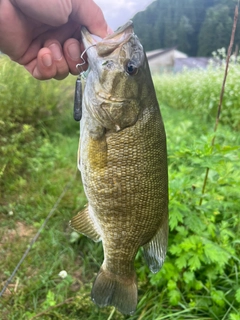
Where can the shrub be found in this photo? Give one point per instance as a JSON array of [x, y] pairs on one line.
[[28, 108], [200, 278], [199, 90]]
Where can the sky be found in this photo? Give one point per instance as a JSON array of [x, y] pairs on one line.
[[118, 12]]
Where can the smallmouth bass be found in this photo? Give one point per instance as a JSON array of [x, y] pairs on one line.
[[123, 164]]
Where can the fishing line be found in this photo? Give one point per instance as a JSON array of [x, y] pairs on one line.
[[77, 107], [66, 188], [84, 61]]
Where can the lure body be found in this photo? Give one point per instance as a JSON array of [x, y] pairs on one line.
[[77, 109]]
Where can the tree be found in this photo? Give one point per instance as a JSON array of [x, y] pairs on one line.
[[216, 30], [196, 27], [184, 29]]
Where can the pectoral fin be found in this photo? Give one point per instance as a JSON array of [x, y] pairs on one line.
[[83, 223], [155, 250]]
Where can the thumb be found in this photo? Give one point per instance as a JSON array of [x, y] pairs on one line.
[[89, 14]]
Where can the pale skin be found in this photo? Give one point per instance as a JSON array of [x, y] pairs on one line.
[[44, 36]]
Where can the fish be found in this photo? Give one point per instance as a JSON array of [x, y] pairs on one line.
[[122, 157]]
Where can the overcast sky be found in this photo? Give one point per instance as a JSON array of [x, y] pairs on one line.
[[117, 12]]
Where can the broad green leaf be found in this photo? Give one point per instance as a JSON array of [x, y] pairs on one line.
[[218, 297], [215, 253], [188, 276], [237, 295], [181, 262], [174, 297], [194, 263], [234, 316], [198, 285], [175, 217], [171, 285]]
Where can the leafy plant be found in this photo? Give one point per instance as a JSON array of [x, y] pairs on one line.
[[198, 91], [200, 278], [28, 108]]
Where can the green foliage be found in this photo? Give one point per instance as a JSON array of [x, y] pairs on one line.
[[200, 278], [220, 19], [198, 91], [28, 108], [195, 27], [202, 268]]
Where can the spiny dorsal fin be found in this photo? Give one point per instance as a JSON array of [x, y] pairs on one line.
[[155, 250], [83, 223]]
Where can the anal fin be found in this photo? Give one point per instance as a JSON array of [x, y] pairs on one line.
[[83, 223], [156, 249]]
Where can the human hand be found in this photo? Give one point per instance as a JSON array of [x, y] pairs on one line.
[[44, 36]]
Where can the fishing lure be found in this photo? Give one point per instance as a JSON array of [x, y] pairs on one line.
[[77, 108]]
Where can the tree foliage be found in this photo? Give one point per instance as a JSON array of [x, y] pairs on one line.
[[195, 27]]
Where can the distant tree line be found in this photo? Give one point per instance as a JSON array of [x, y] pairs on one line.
[[196, 27]]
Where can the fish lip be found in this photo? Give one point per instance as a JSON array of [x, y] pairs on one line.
[[108, 99], [87, 35], [108, 44]]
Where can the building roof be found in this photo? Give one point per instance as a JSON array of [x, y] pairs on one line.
[[154, 54]]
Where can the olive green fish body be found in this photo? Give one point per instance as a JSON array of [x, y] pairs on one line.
[[123, 163]]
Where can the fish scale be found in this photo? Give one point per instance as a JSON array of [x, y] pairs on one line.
[[123, 163]]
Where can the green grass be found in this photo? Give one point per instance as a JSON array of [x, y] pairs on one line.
[[198, 91], [200, 278]]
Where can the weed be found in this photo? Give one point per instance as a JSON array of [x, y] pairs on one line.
[[200, 278]]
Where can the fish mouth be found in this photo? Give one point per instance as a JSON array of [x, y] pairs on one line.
[[110, 99], [110, 43]]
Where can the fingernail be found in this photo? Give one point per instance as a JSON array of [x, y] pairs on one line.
[[74, 51], [56, 51], [47, 60]]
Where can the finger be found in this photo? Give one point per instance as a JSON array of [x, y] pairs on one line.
[[90, 15], [72, 51], [50, 63], [60, 34], [62, 68], [42, 67]]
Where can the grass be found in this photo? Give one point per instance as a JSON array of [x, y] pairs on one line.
[[198, 91], [200, 279]]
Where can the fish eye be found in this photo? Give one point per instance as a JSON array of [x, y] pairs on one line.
[[131, 68]]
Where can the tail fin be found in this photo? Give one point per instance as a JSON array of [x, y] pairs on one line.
[[110, 289]]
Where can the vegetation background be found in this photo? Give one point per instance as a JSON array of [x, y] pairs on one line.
[[38, 143], [196, 27]]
